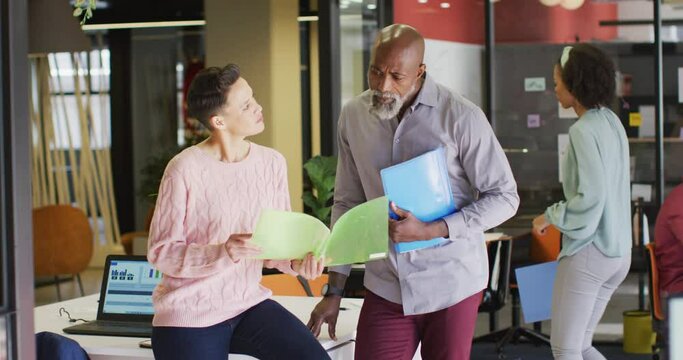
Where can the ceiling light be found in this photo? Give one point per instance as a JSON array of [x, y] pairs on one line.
[[422, 1], [372, 6], [307, 18], [445, 5], [551, 2], [571, 4]]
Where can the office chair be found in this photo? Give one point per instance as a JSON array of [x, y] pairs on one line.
[[51, 346], [287, 285], [655, 301], [543, 248], [495, 294], [62, 243]]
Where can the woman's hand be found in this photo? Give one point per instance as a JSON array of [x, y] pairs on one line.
[[309, 268], [239, 248], [540, 224]]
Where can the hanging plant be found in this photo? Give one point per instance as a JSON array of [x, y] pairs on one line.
[[84, 8]]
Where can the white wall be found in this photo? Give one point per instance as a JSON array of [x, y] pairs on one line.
[[642, 10], [458, 66]]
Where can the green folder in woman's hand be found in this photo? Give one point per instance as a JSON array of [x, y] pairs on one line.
[[360, 235]]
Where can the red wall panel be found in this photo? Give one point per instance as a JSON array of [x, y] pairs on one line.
[[516, 21]]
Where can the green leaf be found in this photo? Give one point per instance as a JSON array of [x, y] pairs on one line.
[[310, 201], [321, 171], [78, 12], [323, 214]]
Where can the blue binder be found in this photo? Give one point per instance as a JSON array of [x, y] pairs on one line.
[[535, 283], [421, 186]]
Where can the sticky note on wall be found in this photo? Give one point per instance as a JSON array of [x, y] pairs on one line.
[[533, 121], [634, 119]]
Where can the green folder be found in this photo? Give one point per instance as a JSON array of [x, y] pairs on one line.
[[360, 235]]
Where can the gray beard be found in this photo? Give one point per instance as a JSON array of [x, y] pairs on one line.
[[385, 111]]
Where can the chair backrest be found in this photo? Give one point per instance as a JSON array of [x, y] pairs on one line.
[[545, 247], [284, 285], [51, 346], [62, 240], [655, 299], [317, 284], [495, 294]]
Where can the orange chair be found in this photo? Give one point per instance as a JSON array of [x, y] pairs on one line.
[[284, 285], [655, 299], [62, 242], [127, 238], [545, 247], [287, 285], [317, 284]]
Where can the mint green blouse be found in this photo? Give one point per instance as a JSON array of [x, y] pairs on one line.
[[596, 184]]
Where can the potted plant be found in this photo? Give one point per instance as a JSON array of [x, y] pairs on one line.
[[321, 172]]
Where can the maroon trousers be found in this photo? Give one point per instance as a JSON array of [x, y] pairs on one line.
[[385, 333]]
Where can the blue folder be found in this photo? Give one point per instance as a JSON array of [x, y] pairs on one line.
[[421, 186], [535, 283]]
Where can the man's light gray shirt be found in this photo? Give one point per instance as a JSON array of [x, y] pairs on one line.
[[483, 187]]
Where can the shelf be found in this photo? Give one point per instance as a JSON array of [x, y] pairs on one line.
[[652, 140]]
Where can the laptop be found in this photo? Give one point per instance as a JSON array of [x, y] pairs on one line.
[[125, 306], [675, 316]]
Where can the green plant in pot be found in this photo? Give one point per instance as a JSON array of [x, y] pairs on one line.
[[321, 172]]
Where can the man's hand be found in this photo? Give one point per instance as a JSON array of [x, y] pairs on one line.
[[540, 224], [409, 228], [239, 248], [327, 311], [310, 267]]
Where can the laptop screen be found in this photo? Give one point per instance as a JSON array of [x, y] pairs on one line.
[[676, 327], [129, 287]]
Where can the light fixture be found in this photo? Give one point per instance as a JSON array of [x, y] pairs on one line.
[[140, 25], [550, 2], [445, 5], [307, 18], [422, 1], [372, 6], [571, 4]]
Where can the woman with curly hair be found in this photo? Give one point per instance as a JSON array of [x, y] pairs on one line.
[[595, 218]]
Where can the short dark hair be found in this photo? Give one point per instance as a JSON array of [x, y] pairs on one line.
[[589, 76], [208, 91]]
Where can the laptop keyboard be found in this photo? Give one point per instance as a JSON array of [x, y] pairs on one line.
[[120, 324]]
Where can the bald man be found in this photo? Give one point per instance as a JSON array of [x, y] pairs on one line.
[[430, 295]]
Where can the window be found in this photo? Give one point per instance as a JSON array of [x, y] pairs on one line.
[[79, 86]]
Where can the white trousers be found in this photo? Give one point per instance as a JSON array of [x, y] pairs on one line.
[[584, 283]]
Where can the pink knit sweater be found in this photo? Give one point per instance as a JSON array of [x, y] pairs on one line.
[[202, 201]]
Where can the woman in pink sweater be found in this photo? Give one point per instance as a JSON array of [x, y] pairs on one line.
[[210, 301]]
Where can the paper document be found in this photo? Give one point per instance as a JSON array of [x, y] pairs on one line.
[[535, 285], [566, 113], [360, 235], [647, 127]]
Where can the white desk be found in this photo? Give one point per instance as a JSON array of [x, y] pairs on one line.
[[115, 348]]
